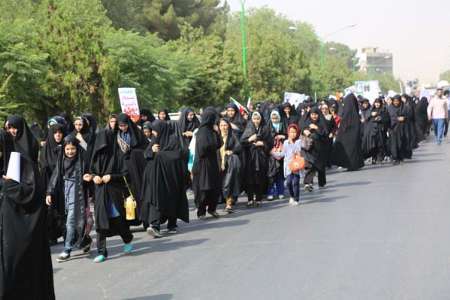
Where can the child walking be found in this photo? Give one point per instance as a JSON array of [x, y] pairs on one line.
[[66, 193], [291, 147]]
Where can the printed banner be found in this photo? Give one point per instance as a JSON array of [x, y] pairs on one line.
[[129, 103]]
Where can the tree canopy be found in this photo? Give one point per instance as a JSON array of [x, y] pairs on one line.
[[73, 55]]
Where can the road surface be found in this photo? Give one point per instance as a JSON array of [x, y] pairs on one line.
[[380, 233]]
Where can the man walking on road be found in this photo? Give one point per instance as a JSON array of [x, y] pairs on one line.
[[438, 113]]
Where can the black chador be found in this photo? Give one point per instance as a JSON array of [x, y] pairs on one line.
[[164, 189], [26, 268], [347, 151]]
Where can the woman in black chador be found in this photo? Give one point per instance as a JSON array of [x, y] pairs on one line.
[[109, 172], [257, 143], [26, 268], [131, 144], [374, 140], [48, 158], [399, 134], [347, 151], [165, 177], [206, 181]]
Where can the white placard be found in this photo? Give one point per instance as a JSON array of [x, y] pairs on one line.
[[129, 103], [14, 167], [294, 98]]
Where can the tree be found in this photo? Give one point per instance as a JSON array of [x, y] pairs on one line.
[[276, 62], [166, 17], [445, 76]]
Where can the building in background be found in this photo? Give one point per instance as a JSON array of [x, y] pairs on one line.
[[375, 61]]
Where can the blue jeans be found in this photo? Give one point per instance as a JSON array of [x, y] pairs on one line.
[[293, 186], [277, 188], [439, 127]]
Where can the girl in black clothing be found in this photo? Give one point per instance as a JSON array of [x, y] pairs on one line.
[[315, 129]]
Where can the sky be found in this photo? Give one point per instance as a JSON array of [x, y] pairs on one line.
[[417, 32]]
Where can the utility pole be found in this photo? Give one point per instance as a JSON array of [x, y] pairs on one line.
[[244, 48]]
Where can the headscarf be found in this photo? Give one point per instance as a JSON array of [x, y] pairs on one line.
[[350, 113], [186, 125], [166, 111], [135, 135], [209, 117], [24, 142], [148, 113], [237, 120], [70, 163], [51, 149], [164, 132], [147, 125], [276, 126]]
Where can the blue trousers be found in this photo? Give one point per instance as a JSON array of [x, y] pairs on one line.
[[277, 188], [439, 128], [293, 186]]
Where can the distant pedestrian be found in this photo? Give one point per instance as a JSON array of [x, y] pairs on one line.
[[438, 114]]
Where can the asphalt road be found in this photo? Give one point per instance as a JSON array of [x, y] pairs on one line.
[[380, 233]]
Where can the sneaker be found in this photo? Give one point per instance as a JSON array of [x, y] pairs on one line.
[[154, 232], [128, 248], [64, 256], [295, 203], [270, 198], [229, 210], [309, 188], [291, 200], [99, 259], [172, 231]]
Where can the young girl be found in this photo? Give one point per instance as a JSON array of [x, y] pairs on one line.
[[229, 165], [291, 147], [67, 179], [316, 129]]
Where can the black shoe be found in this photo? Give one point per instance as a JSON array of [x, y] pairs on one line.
[[202, 217], [214, 214]]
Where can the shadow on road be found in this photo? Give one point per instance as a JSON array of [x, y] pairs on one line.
[[155, 297], [346, 184]]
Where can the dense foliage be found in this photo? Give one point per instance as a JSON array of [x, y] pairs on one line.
[[72, 55]]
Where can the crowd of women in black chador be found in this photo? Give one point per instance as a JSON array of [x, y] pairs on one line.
[[221, 154]]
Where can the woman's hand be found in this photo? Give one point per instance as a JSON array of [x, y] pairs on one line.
[[259, 144], [228, 152], [6, 177], [313, 126], [87, 177], [155, 148], [98, 180], [252, 138], [106, 179], [188, 134], [48, 200], [401, 119], [374, 114], [306, 132]]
